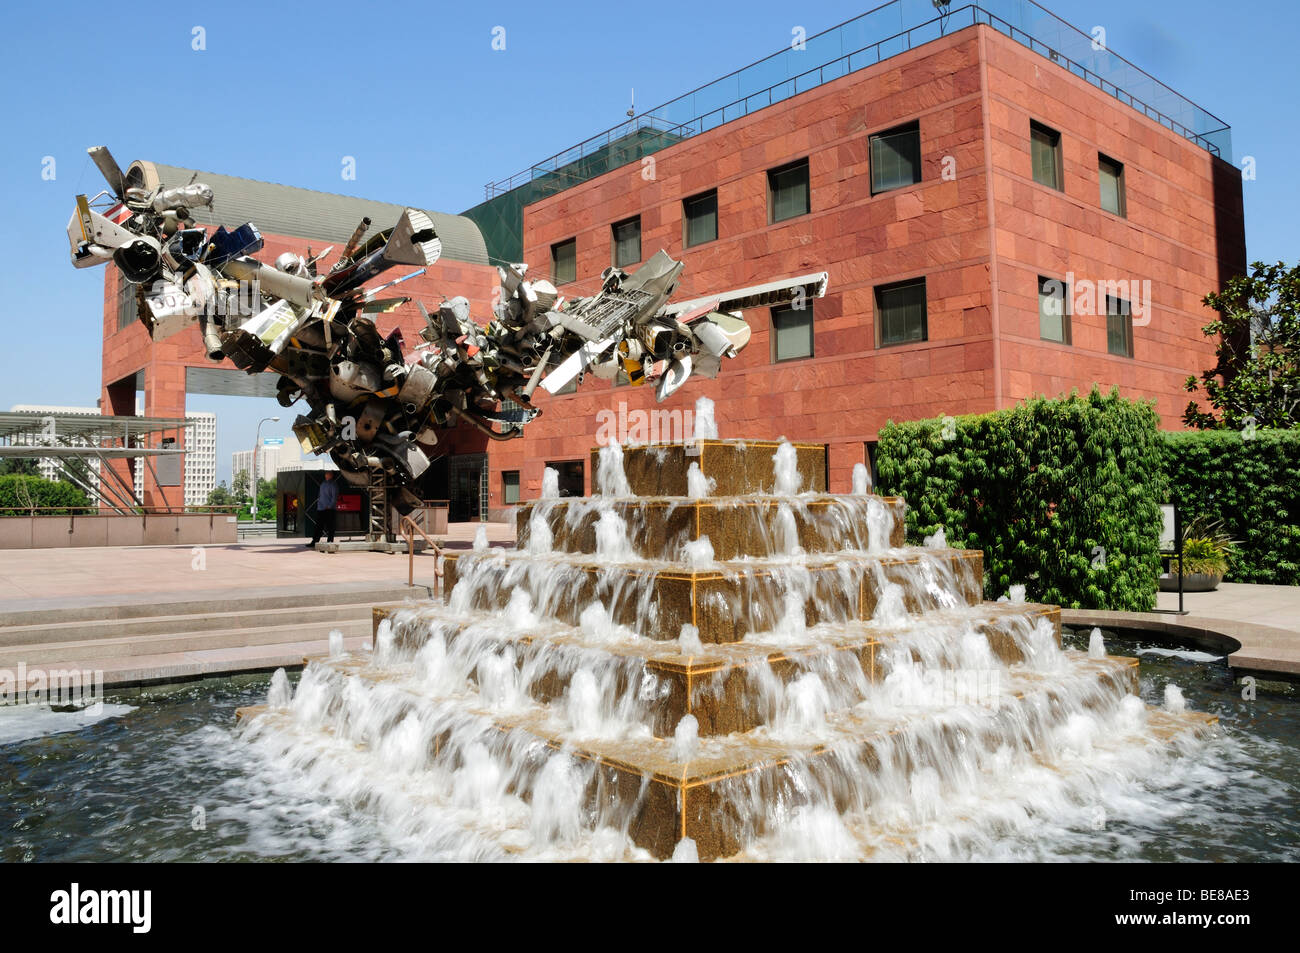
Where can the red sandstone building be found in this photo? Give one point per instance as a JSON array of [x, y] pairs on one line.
[[1003, 209]]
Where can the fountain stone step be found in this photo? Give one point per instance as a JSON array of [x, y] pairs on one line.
[[736, 467], [722, 687], [724, 602], [711, 797], [658, 528]]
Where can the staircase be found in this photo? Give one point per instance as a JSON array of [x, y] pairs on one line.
[[125, 643]]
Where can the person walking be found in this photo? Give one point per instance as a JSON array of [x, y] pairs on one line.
[[326, 508]]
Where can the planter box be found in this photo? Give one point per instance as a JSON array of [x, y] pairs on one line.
[[1192, 582]]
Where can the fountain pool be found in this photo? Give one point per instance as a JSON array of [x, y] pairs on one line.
[[126, 788], [760, 673]]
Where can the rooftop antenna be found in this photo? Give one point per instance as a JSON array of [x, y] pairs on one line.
[[942, 7], [631, 110]]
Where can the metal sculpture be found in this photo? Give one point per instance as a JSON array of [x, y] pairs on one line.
[[373, 405]]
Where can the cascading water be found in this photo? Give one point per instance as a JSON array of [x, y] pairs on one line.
[[861, 479], [550, 484], [706, 424], [786, 469], [854, 702], [611, 478], [698, 486]]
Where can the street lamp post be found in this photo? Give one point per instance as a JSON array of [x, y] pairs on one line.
[[257, 442]]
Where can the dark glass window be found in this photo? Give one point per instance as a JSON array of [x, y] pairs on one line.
[[700, 214], [896, 158], [627, 242], [1111, 174], [564, 261], [900, 313], [1053, 310], [509, 486], [1119, 327], [1045, 148], [792, 332], [787, 189]]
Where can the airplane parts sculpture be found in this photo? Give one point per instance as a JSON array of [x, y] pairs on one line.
[[374, 405]]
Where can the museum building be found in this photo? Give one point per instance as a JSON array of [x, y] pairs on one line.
[[1004, 208]]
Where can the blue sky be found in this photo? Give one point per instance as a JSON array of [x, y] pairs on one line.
[[415, 92]]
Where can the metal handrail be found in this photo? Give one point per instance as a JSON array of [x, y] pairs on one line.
[[842, 65], [409, 528], [90, 509]]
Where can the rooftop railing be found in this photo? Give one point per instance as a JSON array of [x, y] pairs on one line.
[[861, 42]]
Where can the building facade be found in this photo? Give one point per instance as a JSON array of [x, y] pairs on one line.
[[995, 225], [270, 460], [1003, 209]]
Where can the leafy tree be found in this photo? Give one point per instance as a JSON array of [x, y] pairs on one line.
[[23, 465], [22, 491], [220, 495], [1255, 381]]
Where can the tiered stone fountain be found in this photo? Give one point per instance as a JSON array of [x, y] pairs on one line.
[[713, 657]]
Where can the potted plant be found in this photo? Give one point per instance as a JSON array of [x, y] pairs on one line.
[[1206, 548]]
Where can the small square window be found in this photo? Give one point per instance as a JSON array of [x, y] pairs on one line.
[[1053, 310], [626, 240], [700, 218], [509, 486], [900, 313], [564, 261], [1111, 175], [571, 476], [896, 158], [787, 191], [792, 332], [1119, 327], [1045, 148]]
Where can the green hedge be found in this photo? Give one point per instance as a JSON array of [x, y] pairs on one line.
[[1253, 485], [1062, 495], [24, 491]]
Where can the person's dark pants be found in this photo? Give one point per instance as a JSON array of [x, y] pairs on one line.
[[325, 522]]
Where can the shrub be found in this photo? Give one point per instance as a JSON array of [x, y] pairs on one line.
[[20, 491], [1251, 483], [1062, 495]]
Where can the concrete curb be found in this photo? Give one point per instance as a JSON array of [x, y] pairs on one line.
[[1252, 649]]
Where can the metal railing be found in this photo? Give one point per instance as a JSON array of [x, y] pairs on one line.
[[409, 528], [743, 91], [92, 510]]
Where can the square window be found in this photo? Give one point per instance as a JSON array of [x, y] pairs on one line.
[[1053, 310], [792, 332], [509, 486], [564, 261], [900, 313], [896, 158], [626, 239], [787, 191], [1111, 175], [700, 218], [1045, 148], [1119, 327], [571, 476]]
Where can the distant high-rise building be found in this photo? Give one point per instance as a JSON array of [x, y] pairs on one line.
[[200, 459], [271, 459]]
